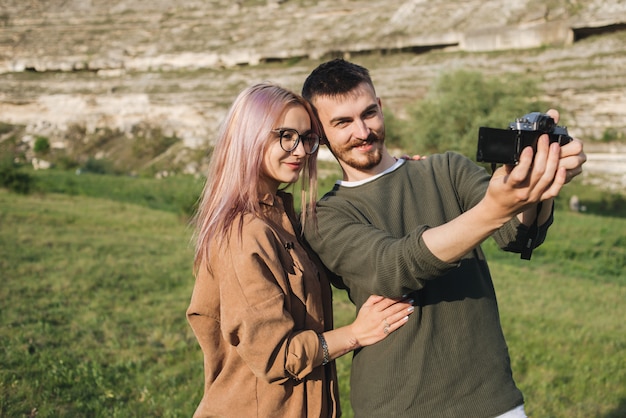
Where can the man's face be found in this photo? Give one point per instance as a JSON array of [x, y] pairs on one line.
[[354, 127]]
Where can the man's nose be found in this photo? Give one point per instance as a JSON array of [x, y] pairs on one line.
[[362, 131]]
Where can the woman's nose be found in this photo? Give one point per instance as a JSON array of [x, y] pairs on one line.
[[299, 149]]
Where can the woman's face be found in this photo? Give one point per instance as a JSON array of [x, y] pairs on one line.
[[280, 166]]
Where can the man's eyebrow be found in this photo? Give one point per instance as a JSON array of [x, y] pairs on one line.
[[340, 119], [373, 106]]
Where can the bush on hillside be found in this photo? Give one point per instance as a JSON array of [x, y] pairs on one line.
[[98, 166], [12, 178], [42, 145], [449, 117]]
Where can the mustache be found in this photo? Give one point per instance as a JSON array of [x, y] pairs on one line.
[[372, 137]]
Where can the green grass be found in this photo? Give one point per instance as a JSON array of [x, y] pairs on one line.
[[95, 283], [93, 296], [176, 194]]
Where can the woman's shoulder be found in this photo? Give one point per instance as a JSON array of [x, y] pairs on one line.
[[247, 227]]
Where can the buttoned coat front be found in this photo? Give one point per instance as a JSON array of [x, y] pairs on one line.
[[256, 309]]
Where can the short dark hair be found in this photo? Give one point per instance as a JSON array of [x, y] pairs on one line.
[[333, 78]]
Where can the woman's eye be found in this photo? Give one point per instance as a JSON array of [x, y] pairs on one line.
[[289, 136]]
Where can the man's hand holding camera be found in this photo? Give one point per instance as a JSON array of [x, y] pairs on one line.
[[538, 177]]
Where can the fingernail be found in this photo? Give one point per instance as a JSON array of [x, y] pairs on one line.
[[412, 301], [406, 318], [411, 309]]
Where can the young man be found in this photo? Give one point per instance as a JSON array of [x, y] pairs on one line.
[[414, 227]]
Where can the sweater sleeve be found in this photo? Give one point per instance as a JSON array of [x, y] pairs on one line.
[[256, 305], [513, 236], [471, 183]]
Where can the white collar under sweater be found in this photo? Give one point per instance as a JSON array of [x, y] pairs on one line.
[[398, 163]]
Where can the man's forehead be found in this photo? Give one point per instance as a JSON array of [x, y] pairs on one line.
[[360, 97]]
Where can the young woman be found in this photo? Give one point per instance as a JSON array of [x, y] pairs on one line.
[[261, 307]]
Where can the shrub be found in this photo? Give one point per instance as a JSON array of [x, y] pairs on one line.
[[98, 166], [611, 134], [394, 128], [462, 101], [42, 145], [12, 178]]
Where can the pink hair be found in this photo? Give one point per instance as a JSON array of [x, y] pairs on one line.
[[232, 185]]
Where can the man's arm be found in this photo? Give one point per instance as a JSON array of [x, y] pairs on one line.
[[513, 191]]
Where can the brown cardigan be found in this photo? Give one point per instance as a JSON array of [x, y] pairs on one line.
[[256, 314]]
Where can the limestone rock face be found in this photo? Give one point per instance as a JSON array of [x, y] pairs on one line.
[[178, 65], [66, 35]]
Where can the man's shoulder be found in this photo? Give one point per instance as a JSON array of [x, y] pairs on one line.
[[330, 194], [441, 159], [449, 164], [335, 196]]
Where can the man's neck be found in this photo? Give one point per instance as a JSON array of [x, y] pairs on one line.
[[355, 174]]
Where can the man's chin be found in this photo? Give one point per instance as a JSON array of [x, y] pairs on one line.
[[364, 161]]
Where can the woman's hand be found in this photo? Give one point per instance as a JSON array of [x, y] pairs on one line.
[[379, 317], [413, 157]]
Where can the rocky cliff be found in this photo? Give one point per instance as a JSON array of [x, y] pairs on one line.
[[118, 64]]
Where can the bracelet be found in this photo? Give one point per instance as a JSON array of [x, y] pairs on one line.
[[326, 359]]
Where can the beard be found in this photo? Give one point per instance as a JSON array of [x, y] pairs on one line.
[[361, 160]]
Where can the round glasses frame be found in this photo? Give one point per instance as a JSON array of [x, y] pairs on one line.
[[290, 138]]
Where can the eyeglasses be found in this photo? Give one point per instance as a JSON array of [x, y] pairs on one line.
[[290, 138]]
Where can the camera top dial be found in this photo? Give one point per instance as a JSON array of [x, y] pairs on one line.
[[535, 121]]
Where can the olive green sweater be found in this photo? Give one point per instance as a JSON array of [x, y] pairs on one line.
[[450, 359]]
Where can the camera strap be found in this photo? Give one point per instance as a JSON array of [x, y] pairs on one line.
[[531, 236]]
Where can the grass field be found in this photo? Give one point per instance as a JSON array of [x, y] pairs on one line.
[[95, 279]]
